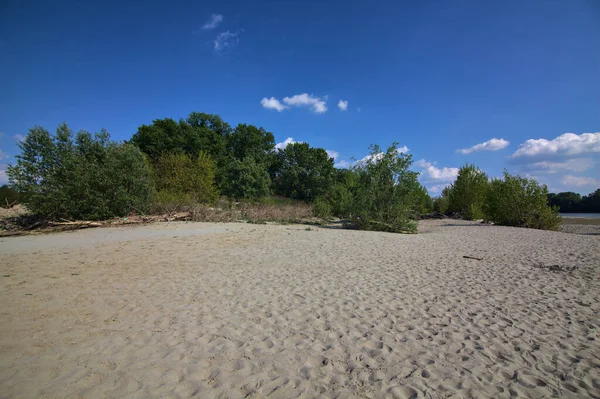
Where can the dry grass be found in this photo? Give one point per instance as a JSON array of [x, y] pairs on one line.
[[296, 212]]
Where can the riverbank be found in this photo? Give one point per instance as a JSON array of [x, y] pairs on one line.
[[236, 310]]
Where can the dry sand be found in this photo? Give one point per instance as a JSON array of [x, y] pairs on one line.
[[234, 310]]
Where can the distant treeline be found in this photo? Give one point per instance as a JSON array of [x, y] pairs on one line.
[[569, 202], [170, 165]]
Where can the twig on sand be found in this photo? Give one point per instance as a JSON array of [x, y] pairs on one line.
[[471, 257]]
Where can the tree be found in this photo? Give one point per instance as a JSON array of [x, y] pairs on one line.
[[468, 192], [384, 193], [248, 141], [89, 177], [302, 172], [200, 132], [246, 179], [184, 179], [520, 202]]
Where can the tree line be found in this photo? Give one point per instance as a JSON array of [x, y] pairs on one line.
[[170, 164], [570, 202]]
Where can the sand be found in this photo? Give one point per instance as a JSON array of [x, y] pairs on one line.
[[237, 310]]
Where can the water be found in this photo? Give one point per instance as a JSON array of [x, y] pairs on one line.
[[581, 215]]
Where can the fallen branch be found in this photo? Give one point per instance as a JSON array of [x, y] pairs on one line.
[[471, 257]]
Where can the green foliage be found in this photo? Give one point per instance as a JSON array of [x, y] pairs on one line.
[[572, 202], [8, 195], [246, 179], [467, 194], [521, 202], [188, 178], [441, 203], [384, 192], [321, 208], [200, 132], [89, 177], [248, 141], [302, 172]]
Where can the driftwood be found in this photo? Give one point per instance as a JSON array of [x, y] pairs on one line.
[[471, 257]]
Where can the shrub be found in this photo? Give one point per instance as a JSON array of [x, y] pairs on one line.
[[384, 192], [521, 202], [90, 177], [468, 193], [321, 208], [8, 196], [246, 179], [189, 179]]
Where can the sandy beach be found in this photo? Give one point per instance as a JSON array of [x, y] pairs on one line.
[[185, 310]]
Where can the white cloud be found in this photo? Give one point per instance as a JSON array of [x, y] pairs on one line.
[[568, 144], [317, 104], [343, 105], [437, 188], [3, 155], [3, 175], [226, 39], [19, 137], [490, 145], [580, 181], [285, 143], [570, 165], [432, 172], [342, 164], [272, 103], [213, 22], [333, 154]]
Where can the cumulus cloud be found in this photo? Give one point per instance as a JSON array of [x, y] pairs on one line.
[[490, 145], [568, 144], [343, 105], [570, 165], [19, 137], [437, 188], [286, 142], [433, 173], [226, 40], [3, 155], [580, 181], [317, 104], [343, 164], [213, 22], [333, 154], [272, 103], [3, 175]]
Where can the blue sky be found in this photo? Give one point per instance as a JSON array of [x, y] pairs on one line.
[[435, 76]]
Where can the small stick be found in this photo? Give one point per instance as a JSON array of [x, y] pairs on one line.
[[471, 257]]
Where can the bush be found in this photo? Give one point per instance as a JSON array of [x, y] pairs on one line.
[[383, 197], [321, 208], [90, 177], [246, 179], [184, 178], [468, 193], [521, 202], [8, 196]]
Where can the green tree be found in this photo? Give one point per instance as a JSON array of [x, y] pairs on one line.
[[302, 172], [246, 179], [441, 203], [185, 179], [89, 177], [384, 193], [248, 141], [521, 202], [200, 132], [468, 192]]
